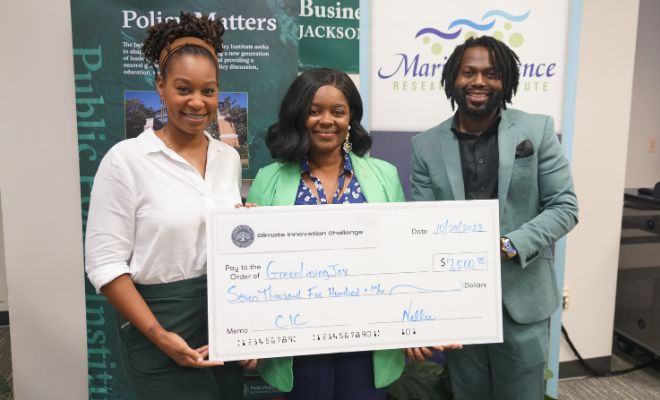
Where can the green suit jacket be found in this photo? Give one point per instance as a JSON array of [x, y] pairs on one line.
[[276, 185], [537, 204]]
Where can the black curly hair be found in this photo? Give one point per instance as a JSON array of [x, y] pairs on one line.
[[502, 57], [161, 35]]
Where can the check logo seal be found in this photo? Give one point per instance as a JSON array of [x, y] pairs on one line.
[[242, 236]]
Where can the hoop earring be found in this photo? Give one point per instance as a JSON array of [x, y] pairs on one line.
[[348, 146]]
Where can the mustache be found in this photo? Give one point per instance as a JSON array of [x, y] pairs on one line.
[[487, 91]]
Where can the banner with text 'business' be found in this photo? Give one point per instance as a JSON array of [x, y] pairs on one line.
[[329, 34]]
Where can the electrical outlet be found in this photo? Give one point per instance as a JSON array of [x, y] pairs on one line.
[[565, 298]]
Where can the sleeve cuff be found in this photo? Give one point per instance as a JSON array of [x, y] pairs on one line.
[[100, 276]]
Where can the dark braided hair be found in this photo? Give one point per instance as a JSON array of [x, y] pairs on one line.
[[161, 35], [504, 60]]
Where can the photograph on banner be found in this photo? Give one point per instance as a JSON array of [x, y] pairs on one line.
[[114, 89], [329, 34], [143, 110], [411, 42]]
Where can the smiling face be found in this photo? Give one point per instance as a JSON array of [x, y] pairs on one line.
[[328, 120], [478, 89], [190, 93]]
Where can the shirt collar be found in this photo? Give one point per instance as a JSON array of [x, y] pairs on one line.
[[152, 143], [464, 135], [304, 165]]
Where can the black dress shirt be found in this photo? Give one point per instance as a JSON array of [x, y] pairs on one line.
[[479, 161]]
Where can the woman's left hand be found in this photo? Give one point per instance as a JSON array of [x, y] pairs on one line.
[[452, 346], [423, 353], [249, 364], [418, 353]]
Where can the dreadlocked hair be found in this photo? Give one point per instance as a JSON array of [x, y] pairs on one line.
[[502, 57], [163, 34]]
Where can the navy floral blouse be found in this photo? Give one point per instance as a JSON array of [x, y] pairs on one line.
[[352, 193]]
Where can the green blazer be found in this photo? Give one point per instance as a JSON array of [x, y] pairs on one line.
[[276, 185], [537, 204]]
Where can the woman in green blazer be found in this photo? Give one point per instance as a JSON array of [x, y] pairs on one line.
[[321, 150]]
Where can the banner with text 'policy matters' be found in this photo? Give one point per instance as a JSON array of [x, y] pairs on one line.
[[411, 42], [116, 99]]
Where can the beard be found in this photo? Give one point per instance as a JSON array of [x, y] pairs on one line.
[[494, 101]]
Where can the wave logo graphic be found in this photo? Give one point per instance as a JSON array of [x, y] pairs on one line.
[[472, 29]]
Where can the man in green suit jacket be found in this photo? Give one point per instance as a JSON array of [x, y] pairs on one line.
[[488, 152]]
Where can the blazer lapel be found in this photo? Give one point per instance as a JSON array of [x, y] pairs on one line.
[[507, 138], [287, 185], [369, 183], [451, 158]]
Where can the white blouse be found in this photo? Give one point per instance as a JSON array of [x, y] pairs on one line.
[[147, 212]]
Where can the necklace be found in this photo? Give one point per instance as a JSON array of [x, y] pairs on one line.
[[321, 196], [162, 135], [196, 157], [167, 143]]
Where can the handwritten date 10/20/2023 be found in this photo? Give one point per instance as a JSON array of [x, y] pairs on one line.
[[448, 226]]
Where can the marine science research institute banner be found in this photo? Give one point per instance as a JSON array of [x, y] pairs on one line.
[[116, 99], [411, 41]]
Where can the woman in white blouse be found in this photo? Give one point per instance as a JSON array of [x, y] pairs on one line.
[[146, 233]]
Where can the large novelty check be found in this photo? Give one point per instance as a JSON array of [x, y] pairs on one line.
[[335, 278]]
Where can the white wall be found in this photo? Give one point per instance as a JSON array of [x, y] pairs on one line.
[[643, 168], [604, 88], [41, 201]]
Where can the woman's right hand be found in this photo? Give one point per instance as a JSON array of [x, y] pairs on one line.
[[178, 350]]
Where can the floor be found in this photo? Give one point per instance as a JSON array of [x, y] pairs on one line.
[[638, 385], [642, 384], [5, 365]]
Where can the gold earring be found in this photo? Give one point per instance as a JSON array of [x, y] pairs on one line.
[[348, 146]]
